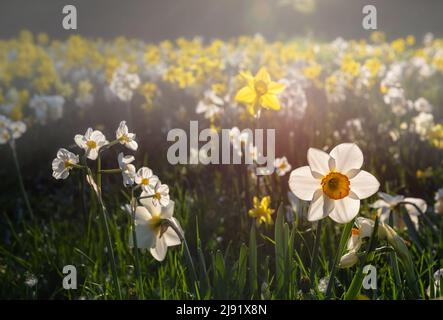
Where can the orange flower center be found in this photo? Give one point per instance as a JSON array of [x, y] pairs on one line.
[[91, 144], [355, 232], [260, 87], [145, 181], [335, 185], [67, 164], [157, 195]]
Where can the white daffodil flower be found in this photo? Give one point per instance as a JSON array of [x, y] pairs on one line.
[[151, 230], [387, 203], [282, 166], [64, 162], [161, 195], [333, 183], [209, 105], [124, 137], [5, 135], [91, 142], [438, 206], [124, 83], [128, 169], [17, 128], [438, 276], [147, 180]]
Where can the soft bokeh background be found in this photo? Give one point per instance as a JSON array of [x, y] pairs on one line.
[[168, 19]]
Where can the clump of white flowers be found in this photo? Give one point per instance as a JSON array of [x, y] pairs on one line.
[[153, 226], [124, 83], [10, 130]]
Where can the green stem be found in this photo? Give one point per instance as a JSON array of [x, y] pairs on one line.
[[187, 252], [343, 239], [20, 180], [315, 253], [357, 281], [134, 239], [111, 171], [108, 233]]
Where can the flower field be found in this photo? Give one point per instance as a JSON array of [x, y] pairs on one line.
[[87, 179]]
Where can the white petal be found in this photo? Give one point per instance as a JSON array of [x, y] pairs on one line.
[[142, 215], [345, 210], [167, 211], [92, 154], [80, 141], [145, 237], [159, 252], [318, 161], [148, 203], [380, 204], [319, 207], [420, 203], [347, 156], [303, 184], [171, 238], [364, 184]]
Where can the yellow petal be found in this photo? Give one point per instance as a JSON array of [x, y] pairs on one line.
[[270, 101], [245, 95], [275, 87], [263, 75]]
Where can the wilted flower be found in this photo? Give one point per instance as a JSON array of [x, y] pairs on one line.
[[91, 142], [333, 183]]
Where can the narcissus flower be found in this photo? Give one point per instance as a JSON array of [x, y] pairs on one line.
[[124, 137], [333, 183], [146, 179], [438, 207], [128, 169], [161, 195], [261, 211], [259, 91], [64, 162], [210, 105], [152, 228], [91, 142], [282, 166], [387, 203]]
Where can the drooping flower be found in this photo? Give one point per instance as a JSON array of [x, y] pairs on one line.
[[64, 162], [333, 183], [282, 166], [437, 277], [128, 169], [152, 228], [363, 230], [161, 195], [91, 142], [261, 211], [146, 179], [124, 137], [259, 91], [387, 203]]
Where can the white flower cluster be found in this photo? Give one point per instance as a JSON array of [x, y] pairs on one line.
[[10, 130], [124, 83]]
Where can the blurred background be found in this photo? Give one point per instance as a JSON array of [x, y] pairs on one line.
[[168, 19]]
